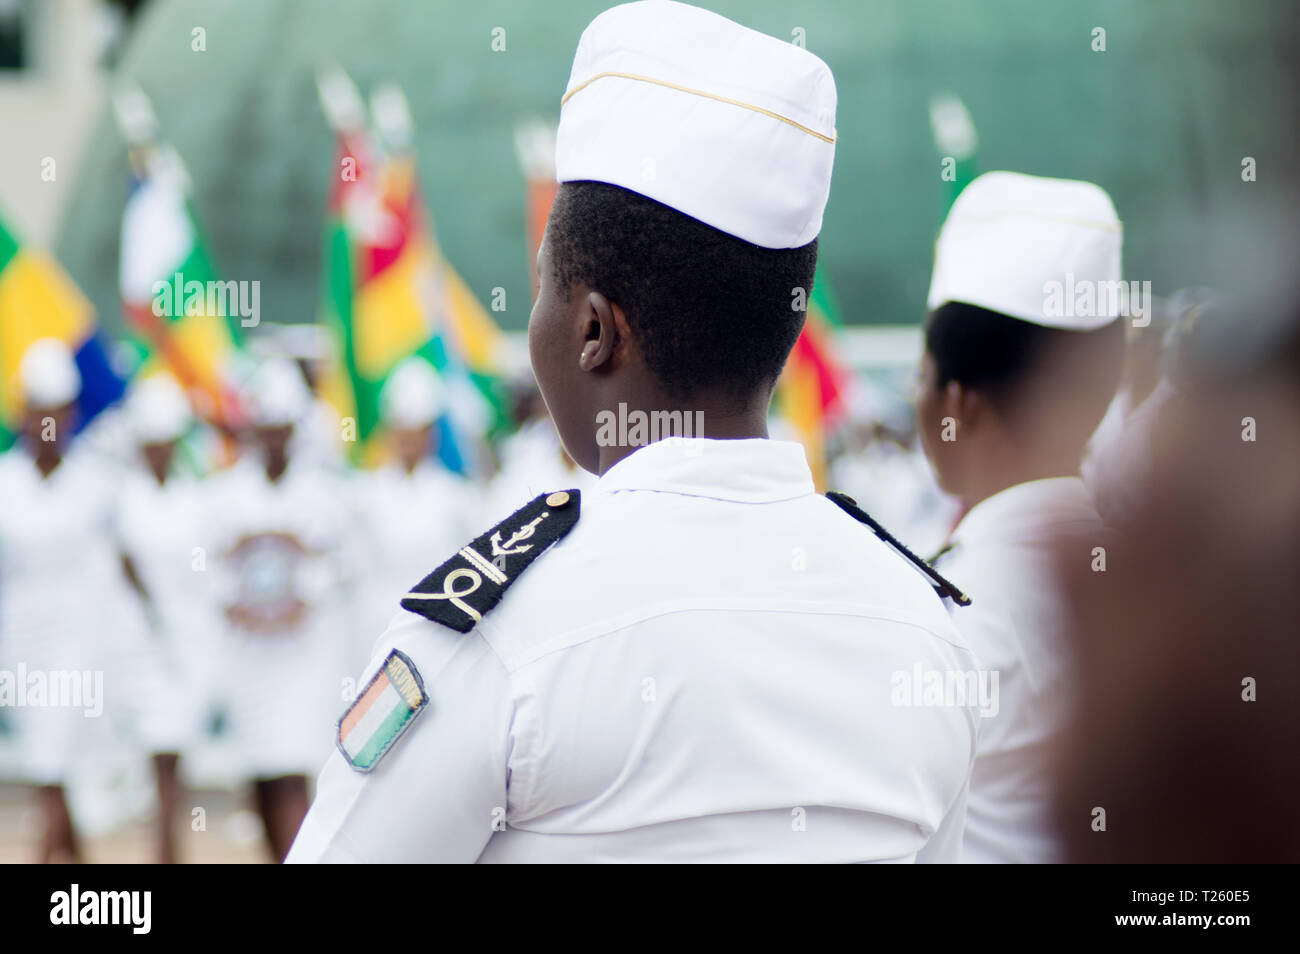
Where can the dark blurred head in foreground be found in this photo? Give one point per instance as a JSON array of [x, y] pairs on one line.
[[1187, 733]]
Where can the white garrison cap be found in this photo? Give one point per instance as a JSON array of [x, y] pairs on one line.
[[302, 340], [277, 393], [412, 396], [48, 374], [158, 409], [1026, 246], [725, 124]]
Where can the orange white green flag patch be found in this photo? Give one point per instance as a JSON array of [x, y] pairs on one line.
[[382, 712]]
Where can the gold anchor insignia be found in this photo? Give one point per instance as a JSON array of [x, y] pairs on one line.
[[523, 533]]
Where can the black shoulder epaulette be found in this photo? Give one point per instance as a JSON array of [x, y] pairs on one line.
[[942, 586], [459, 592]]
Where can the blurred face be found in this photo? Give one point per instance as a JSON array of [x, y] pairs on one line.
[[936, 417], [412, 444], [313, 369], [46, 430], [555, 344], [158, 457], [273, 441]]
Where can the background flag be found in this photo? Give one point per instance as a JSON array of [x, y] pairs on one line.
[[810, 391], [465, 345], [535, 149], [354, 220], [180, 316], [391, 293], [38, 300]]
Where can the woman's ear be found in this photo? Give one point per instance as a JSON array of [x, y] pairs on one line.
[[964, 405], [951, 400], [605, 327]]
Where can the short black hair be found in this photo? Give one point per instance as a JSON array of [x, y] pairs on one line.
[[709, 311], [1010, 361]]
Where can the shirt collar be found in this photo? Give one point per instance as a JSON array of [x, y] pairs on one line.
[[752, 470], [1051, 505]]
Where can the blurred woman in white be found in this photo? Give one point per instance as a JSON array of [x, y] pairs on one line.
[[161, 536], [1011, 388], [281, 524], [58, 570], [415, 510]]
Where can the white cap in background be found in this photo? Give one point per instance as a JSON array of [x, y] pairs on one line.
[[412, 396], [48, 374], [277, 394], [725, 124], [1009, 236], [158, 409]]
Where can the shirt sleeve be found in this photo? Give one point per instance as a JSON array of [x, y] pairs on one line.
[[439, 793]]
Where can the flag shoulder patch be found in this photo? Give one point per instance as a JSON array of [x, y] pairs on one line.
[[472, 582], [944, 587], [381, 712]]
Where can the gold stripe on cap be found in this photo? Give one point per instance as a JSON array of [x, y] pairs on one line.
[[699, 92], [1043, 216]]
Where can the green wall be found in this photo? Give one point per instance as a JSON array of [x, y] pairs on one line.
[[1162, 119]]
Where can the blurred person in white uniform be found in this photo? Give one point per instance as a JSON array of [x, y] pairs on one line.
[[414, 509], [58, 573], [161, 530], [1013, 383], [318, 435], [532, 459], [280, 533], [700, 659], [881, 465]]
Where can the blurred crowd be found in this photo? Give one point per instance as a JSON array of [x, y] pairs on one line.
[[222, 592], [192, 588]]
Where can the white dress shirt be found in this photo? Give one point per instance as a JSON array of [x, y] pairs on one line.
[[276, 546], [63, 599], [161, 527], [1001, 557], [704, 669], [411, 521]]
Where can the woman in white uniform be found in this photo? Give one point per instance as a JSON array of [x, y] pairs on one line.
[[1013, 383], [413, 507], [160, 533], [280, 535], [57, 568]]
